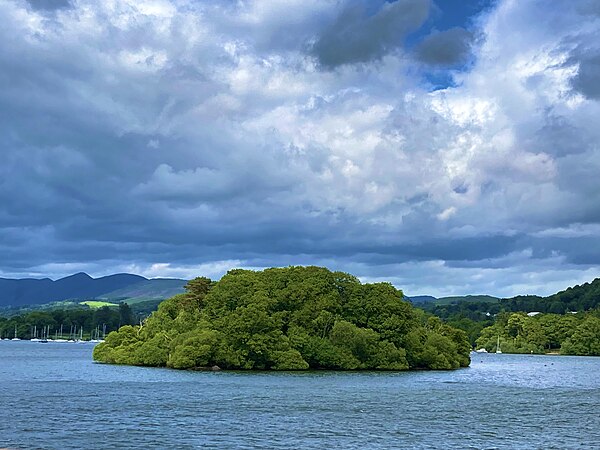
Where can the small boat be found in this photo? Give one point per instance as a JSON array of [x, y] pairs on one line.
[[80, 340], [95, 335], [34, 337], [15, 338], [59, 337], [498, 346], [481, 350]]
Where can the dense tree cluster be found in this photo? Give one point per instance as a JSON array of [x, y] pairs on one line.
[[571, 334], [288, 319], [88, 319], [579, 298], [539, 334]]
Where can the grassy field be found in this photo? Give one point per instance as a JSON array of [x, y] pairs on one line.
[[97, 304]]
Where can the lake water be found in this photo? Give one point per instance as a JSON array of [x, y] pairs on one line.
[[52, 396]]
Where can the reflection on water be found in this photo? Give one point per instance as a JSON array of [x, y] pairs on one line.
[[54, 397]]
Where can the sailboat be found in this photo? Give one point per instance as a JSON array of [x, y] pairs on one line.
[[95, 336], [15, 338], [80, 340], [498, 346], [59, 337], [34, 337]]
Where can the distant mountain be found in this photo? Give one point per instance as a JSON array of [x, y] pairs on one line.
[[466, 299], [146, 290], [429, 300], [80, 286], [421, 299]]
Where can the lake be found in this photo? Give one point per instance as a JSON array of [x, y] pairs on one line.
[[54, 397]]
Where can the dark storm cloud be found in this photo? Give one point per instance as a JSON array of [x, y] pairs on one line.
[[559, 136], [49, 5], [446, 48], [358, 37], [585, 53], [587, 80]]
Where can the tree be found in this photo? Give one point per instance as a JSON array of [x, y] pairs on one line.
[[126, 316], [585, 341], [291, 318]]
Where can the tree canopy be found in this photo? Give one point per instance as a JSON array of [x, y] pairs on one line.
[[569, 334], [291, 318]]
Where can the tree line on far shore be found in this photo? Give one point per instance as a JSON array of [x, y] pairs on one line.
[[568, 334], [567, 322], [88, 319]]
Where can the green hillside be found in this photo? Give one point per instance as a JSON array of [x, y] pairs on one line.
[[577, 298], [99, 304], [466, 299], [147, 290]]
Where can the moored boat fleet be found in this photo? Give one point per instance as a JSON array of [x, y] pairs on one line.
[[75, 335]]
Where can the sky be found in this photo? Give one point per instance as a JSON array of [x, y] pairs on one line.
[[448, 147]]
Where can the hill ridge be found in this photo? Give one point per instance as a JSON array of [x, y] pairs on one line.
[[17, 292]]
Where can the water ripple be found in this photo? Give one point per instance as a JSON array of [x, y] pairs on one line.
[[54, 397]]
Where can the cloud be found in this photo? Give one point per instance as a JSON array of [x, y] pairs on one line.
[[49, 5], [446, 48], [174, 137], [587, 80], [591, 7], [356, 36]]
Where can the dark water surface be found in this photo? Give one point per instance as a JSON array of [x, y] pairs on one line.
[[52, 396]]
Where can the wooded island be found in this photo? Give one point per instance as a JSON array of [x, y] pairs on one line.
[[293, 318]]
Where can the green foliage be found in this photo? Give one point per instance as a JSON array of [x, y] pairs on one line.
[[580, 298], [585, 340], [471, 327], [437, 346], [197, 349], [294, 318], [572, 334], [289, 360], [577, 298]]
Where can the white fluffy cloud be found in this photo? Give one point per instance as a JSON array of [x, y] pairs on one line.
[[177, 134]]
